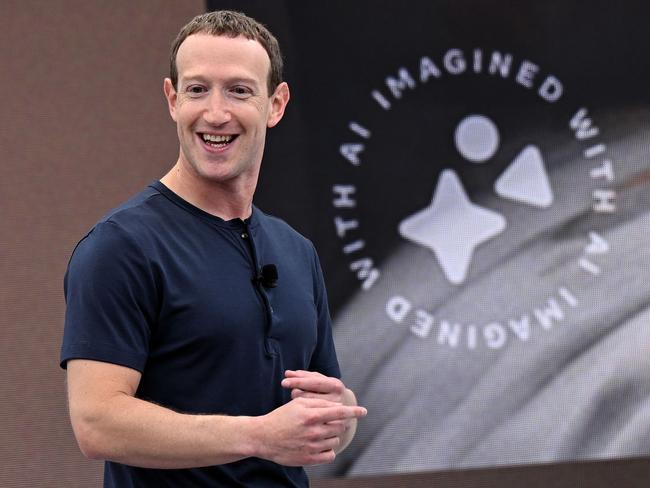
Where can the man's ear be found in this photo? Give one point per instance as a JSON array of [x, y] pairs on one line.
[[279, 101], [171, 96]]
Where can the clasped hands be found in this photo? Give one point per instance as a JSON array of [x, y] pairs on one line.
[[315, 424]]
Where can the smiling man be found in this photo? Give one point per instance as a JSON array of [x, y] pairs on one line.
[[197, 338]]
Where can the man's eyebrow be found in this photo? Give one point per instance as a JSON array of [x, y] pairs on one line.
[[244, 79], [189, 79], [233, 80]]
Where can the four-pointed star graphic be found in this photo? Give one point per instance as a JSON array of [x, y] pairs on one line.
[[452, 226]]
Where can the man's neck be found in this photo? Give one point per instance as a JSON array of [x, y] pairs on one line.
[[226, 200]]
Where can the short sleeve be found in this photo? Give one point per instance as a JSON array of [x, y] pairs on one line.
[[324, 358], [111, 300]]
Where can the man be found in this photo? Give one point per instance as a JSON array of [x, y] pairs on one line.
[[186, 364]]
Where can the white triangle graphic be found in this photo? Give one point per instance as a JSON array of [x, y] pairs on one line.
[[526, 180]]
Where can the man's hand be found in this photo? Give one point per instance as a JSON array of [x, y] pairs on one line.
[[309, 384], [305, 431], [313, 385]]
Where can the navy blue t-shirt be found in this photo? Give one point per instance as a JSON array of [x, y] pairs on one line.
[[162, 287]]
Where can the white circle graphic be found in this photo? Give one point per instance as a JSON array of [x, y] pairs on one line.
[[476, 138]]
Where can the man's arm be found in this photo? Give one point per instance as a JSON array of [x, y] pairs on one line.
[[110, 423], [313, 385]]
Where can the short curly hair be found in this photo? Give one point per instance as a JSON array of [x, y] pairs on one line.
[[231, 24]]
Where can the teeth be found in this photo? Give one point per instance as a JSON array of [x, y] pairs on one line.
[[216, 138]]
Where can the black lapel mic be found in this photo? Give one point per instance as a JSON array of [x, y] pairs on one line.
[[268, 276]]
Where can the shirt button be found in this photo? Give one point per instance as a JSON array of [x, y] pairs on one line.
[[244, 235]]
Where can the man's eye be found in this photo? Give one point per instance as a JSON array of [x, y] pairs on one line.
[[195, 90], [241, 91]]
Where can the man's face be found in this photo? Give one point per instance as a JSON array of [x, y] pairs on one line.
[[222, 107]]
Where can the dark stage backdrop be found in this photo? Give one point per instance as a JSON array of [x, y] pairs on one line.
[[473, 174]]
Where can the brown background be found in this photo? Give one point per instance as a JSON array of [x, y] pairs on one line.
[[83, 126]]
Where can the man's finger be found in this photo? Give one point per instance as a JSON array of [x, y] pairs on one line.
[[322, 457], [317, 402], [300, 373], [340, 412], [325, 444], [318, 384], [298, 393]]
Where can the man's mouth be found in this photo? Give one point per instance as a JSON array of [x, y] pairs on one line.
[[217, 141]]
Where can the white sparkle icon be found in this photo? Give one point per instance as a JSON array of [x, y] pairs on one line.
[[452, 227]]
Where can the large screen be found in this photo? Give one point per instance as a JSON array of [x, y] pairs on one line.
[[475, 178]]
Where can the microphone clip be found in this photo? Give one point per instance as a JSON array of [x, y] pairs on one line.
[[268, 276]]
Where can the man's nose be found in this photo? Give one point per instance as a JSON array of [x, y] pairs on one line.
[[218, 110]]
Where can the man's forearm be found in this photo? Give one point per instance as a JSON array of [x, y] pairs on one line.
[[139, 433], [131, 431], [111, 423]]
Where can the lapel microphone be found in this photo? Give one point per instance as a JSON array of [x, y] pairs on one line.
[[268, 276]]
